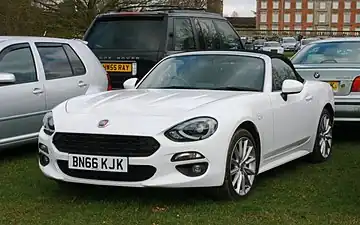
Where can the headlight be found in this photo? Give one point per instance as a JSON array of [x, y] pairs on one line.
[[193, 130], [48, 123]]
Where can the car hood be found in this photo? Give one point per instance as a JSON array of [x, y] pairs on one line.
[[146, 102], [288, 44]]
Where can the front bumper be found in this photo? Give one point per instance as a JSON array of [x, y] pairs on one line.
[[166, 174]]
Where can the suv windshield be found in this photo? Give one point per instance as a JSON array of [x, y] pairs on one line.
[[329, 52], [214, 72], [127, 33], [289, 40], [272, 44]]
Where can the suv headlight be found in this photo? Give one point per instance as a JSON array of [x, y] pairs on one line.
[[193, 130], [48, 123]]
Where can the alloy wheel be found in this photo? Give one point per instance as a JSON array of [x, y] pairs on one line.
[[243, 166], [325, 136]]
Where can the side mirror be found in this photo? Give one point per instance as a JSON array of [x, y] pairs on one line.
[[291, 87], [7, 78], [130, 83]]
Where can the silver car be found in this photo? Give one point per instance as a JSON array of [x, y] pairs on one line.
[[38, 73], [337, 62]]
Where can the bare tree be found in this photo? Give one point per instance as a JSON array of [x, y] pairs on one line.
[[234, 14]]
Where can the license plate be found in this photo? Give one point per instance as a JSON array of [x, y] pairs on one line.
[[98, 163], [334, 85], [118, 67]]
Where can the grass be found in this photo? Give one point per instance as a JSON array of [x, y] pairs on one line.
[[289, 54], [297, 193]]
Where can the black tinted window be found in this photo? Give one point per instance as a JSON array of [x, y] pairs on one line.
[[55, 61], [75, 61], [208, 32], [127, 33], [20, 62], [281, 71], [184, 35], [229, 39]]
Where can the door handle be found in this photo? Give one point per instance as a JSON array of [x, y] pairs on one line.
[[81, 84], [37, 91], [309, 98]]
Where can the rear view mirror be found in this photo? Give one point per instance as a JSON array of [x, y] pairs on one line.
[[291, 87], [7, 78], [130, 83]]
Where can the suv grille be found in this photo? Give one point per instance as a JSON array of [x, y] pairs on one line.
[[135, 173], [105, 145]]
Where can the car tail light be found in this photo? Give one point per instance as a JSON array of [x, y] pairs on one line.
[[109, 87], [356, 85]]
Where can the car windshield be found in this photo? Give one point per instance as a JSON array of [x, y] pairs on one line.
[[307, 41], [214, 72], [329, 52], [272, 44], [289, 40], [259, 42], [127, 33]]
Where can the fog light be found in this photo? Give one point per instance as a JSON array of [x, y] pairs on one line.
[[193, 170], [43, 159], [43, 148], [186, 156]]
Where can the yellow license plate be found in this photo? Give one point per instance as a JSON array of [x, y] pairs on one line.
[[334, 85], [118, 67]]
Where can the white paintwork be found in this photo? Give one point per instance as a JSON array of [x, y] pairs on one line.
[[292, 86], [287, 129], [130, 83]]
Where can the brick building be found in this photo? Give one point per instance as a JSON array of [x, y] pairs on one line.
[[309, 15]]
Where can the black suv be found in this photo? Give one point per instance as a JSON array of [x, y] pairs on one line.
[[129, 44]]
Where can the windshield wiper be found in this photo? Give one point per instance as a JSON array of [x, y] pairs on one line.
[[236, 89]]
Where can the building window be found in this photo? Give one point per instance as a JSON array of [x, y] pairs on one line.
[[309, 28], [263, 4], [263, 17], [357, 18], [322, 18], [334, 18], [334, 29], [287, 18], [286, 28], [298, 18], [322, 5], [275, 17], [321, 28], [335, 4], [347, 4], [310, 5], [309, 18], [297, 27], [287, 4], [274, 27], [275, 5], [346, 29], [298, 4], [357, 29], [263, 27], [347, 17], [358, 5]]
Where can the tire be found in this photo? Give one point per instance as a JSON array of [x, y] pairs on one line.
[[245, 172], [323, 142]]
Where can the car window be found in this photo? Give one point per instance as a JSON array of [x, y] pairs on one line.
[[75, 61], [208, 72], [184, 35], [202, 44], [330, 52], [289, 40], [18, 60], [209, 33], [55, 61], [229, 39], [127, 33], [281, 71]]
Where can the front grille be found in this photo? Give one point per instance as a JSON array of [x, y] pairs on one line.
[[135, 173], [275, 51], [105, 145]]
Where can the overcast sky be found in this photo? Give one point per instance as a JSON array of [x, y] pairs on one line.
[[243, 7]]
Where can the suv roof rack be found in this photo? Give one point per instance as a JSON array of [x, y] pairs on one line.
[[147, 8]]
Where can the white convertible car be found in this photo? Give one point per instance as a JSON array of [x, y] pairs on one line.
[[201, 119]]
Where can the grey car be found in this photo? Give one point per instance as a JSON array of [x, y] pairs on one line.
[[38, 73], [337, 62]]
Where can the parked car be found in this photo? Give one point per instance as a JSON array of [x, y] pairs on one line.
[[288, 43], [259, 43], [301, 44], [129, 44], [273, 46], [197, 119], [337, 62], [38, 73]]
